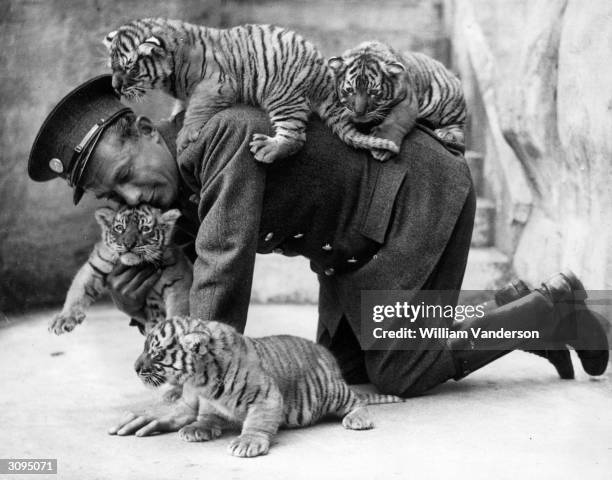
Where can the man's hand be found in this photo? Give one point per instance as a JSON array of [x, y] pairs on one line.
[[145, 425], [129, 286]]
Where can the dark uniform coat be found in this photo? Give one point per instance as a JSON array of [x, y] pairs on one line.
[[404, 224]]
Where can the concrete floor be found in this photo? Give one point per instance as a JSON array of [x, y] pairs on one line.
[[514, 419]]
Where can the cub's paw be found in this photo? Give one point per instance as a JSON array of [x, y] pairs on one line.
[[451, 135], [64, 323], [269, 149], [358, 419], [187, 136], [397, 137], [192, 433], [172, 395], [249, 445], [381, 155]]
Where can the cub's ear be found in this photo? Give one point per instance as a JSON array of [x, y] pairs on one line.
[[335, 63], [169, 218], [104, 217], [108, 40], [196, 342], [151, 46], [394, 68]]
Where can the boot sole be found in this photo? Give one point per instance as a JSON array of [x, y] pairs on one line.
[[594, 362], [578, 291]]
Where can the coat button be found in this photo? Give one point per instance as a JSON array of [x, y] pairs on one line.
[[268, 237], [352, 260], [329, 271], [327, 247], [280, 251], [56, 165], [298, 235]]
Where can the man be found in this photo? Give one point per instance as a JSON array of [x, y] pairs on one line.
[[401, 225]]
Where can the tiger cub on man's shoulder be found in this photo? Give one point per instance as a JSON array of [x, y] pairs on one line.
[[260, 384], [213, 69], [377, 85], [131, 236]]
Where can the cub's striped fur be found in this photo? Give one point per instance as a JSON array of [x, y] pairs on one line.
[[212, 69], [259, 383], [377, 85], [131, 236]]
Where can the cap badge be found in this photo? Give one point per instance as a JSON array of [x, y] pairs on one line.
[[56, 165]]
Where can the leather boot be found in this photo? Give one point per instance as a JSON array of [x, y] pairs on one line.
[[533, 311], [557, 310], [579, 327], [558, 354]]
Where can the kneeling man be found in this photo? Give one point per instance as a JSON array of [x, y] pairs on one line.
[[401, 225]]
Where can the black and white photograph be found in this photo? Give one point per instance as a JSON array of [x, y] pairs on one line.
[[306, 239]]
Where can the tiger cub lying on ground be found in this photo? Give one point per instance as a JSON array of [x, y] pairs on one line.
[[258, 383], [212, 69], [377, 85], [131, 236]]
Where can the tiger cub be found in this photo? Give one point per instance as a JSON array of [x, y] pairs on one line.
[[212, 69], [377, 85], [258, 383], [131, 236]]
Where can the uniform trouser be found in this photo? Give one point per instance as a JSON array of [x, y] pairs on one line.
[[385, 368], [397, 371]]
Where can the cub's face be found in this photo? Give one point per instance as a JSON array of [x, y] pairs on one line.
[[173, 349], [139, 62], [366, 87], [137, 234]]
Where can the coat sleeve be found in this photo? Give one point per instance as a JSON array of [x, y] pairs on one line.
[[231, 193]]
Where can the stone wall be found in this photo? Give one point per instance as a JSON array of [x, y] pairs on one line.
[[540, 85], [49, 46]]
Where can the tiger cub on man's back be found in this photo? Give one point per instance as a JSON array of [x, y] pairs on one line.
[[378, 86], [213, 69]]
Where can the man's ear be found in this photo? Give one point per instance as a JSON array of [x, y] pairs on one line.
[[108, 40], [196, 342], [394, 68], [169, 218], [335, 63], [151, 46], [104, 217], [144, 125]]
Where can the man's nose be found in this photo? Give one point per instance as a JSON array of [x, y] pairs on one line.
[[117, 82], [130, 195]]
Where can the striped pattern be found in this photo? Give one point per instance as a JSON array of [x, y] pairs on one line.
[[369, 86], [131, 236], [263, 383], [142, 232], [212, 69]]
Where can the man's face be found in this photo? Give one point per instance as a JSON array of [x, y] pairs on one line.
[[139, 170]]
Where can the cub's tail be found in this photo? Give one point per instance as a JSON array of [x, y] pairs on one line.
[[368, 142], [347, 132], [378, 399]]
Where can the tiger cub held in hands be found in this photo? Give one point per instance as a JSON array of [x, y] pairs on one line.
[[131, 236], [213, 69], [258, 383], [376, 85]]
